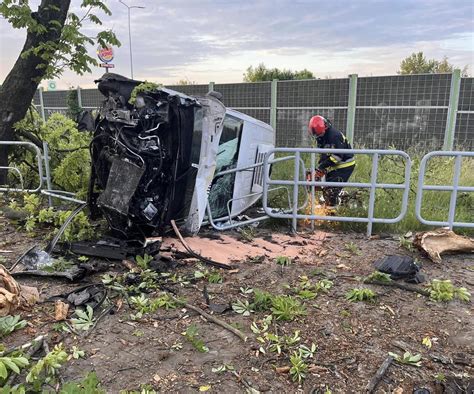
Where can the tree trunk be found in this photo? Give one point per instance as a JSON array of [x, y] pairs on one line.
[[19, 87]]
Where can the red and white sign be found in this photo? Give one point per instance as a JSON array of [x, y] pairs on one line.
[[106, 65], [105, 54]]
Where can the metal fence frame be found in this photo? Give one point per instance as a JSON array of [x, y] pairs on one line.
[[372, 185], [454, 189], [39, 159]]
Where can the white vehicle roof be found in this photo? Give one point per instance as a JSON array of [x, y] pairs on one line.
[[247, 118]]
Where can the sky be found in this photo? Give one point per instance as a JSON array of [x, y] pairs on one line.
[[216, 40]]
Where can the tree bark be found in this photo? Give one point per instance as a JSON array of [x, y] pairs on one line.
[[19, 87]]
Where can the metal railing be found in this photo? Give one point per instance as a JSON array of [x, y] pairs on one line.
[[454, 189], [300, 170], [39, 160], [228, 222], [44, 174]]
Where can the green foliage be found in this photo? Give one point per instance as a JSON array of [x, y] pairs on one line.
[[90, 385], [286, 308], [308, 290], [406, 243], [143, 262], [145, 305], [73, 107], [68, 150], [79, 228], [262, 73], [378, 276], [444, 290], [8, 324], [407, 358], [13, 364], [299, 368], [262, 300], [242, 307], [215, 277], [248, 233], [192, 335], [84, 320], [283, 261], [352, 248], [417, 63], [70, 51], [144, 87], [47, 367], [363, 294]]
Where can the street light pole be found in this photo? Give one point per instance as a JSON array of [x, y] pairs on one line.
[[130, 34]]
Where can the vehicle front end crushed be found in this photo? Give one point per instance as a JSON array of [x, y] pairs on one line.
[[153, 156]]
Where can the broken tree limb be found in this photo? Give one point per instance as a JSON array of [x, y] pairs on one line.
[[372, 385], [36, 345], [212, 319], [38, 339], [402, 286], [442, 240], [198, 256]]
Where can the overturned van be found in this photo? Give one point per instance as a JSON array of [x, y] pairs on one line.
[[169, 156]]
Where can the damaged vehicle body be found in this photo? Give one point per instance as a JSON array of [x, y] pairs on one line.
[[158, 157]]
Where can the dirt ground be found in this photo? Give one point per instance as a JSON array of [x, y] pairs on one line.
[[352, 338]]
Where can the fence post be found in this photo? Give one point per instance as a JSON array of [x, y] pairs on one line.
[[351, 108], [273, 104], [452, 110], [211, 86], [79, 97], [47, 170], [43, 116]]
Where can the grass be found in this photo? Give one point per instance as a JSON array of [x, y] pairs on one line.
[[435, 204]]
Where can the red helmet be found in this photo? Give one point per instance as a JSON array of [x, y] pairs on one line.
[[318, 125]]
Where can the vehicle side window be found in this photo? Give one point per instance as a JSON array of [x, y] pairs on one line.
[[229, 143]]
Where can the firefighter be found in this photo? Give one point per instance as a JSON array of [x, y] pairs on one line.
[[336, 167]]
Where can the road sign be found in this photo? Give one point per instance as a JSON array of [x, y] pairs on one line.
[[106, 54], [52, 85]]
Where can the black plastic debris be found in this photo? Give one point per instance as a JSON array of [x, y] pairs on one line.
[[92, 295], [401, 267]]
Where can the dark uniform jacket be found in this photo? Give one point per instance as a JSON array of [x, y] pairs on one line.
[[334, 139]]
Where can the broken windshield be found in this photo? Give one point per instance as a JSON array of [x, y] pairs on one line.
[[222, 189]]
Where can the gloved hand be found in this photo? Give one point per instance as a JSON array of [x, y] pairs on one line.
[[320, 172]]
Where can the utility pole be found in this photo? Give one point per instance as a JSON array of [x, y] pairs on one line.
[[130, 34]]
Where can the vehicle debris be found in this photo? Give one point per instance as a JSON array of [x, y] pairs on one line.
[[440, 241], [401, 267]]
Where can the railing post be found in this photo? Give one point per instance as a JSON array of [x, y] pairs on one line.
[[211, 86], [273, 104], [373, 182], [47, 171], [296, 187], [452, 110], [351, 108], [454, 193], [79, 97], [43, 116]]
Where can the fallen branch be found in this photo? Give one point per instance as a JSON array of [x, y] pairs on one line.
[[25, 346], [402, 286], [373, 383], [212, 319], [198, 256], [35, 346]]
